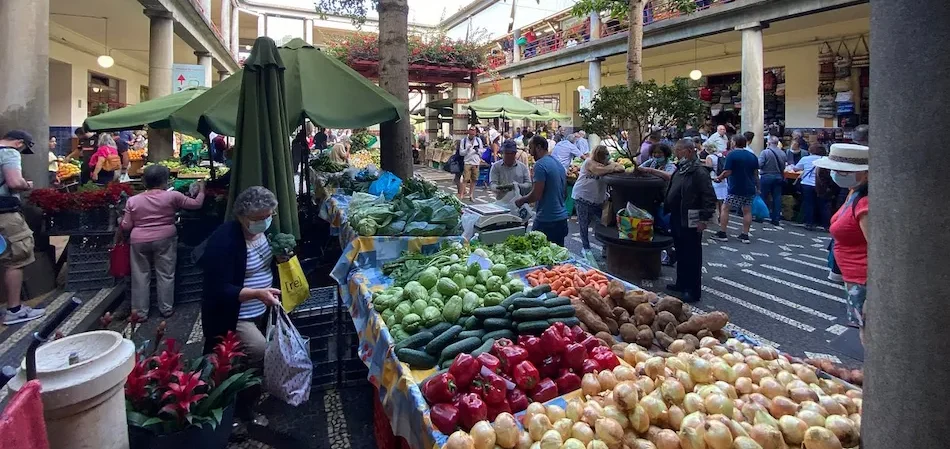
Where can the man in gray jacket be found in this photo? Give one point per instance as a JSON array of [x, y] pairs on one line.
[[509, 174], [772, 178]]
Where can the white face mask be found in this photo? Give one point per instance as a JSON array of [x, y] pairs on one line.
[[258, 227], [845, 180]]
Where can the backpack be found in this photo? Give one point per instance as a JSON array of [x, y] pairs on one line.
[[112, 162]]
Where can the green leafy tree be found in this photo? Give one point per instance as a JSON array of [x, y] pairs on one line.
[[641, 106], [395, 143], [633, 11]]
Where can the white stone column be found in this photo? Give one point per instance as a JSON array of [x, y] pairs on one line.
[[206, 9], [595, 25], [161, 34], [223, 75], [225, 22], [24, 91], [515, 48], [516, 86], [235, 34], [753, 93], [261, 25], [460, 115], [205, 60], [594, 74], [308, 31]]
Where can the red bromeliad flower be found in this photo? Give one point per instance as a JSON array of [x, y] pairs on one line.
[[135, 384], [183, 394], [168, 363], [224, 353]]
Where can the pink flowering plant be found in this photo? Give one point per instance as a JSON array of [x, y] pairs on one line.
[[166, 394]]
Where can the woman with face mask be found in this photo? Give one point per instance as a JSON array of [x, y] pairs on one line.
[[661, 163], [590, 191], [849, 226]]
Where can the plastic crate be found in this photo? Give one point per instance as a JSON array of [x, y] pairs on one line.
[[326, 375], [353, 373], [86, 285]]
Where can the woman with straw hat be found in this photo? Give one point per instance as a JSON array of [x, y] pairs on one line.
[[849, 226]]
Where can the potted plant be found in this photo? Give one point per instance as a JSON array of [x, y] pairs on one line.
[[91, 207], [173, 403]]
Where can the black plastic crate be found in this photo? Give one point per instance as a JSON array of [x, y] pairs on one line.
[[353, 373], [86, 285], [326, 375]]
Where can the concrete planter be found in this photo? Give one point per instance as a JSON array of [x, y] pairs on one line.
[[204, 437]]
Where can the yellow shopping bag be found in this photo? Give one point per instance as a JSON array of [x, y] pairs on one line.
[[294, 288]]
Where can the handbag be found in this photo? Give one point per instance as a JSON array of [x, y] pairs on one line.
[[843, 59], [862, 59], [287, 367], [454, 164], [780, 89], [842, 85], [825, 53], [845, 107], [294, 288], [120, 260], [846, 96]]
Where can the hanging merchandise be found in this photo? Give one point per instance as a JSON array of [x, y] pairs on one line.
[[846, 96], [843, 61], [861, 58], [826, 63], [780, 89], [725, 97], [845, 107], [705, 94], [842, 85]]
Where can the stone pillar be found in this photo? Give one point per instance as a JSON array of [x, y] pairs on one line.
[[223, 75], [160, 59], [595, 26], [432, 125], [261, 25], [206, 10], [594, 74], [515, 48], [205, 60], [753, 94], [907, 276], [225, 23], [24, 92], [461, 95], [308, 31], [235, 34]]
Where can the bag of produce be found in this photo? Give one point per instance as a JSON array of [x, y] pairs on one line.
[[635, 224], [287, 367]]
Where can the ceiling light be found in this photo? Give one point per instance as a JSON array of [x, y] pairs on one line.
[[581, 88], [695, 75], [105, 61], [96, 89], [247, 47]]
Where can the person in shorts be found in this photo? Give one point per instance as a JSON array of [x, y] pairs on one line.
[[742, 171], [17, 234], [470, 148]]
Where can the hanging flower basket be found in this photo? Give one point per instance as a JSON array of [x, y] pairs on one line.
[[430, 51]]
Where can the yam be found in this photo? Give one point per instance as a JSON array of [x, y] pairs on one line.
[[670, 330], [632, 299], [621, 315], [690, 340], [612, 325], [628, 332], [606, 338], [715, 321], [596, 302], [583, 326], [643, 326], [588, 318], [644, 314], [610, 303], [691, 326], [615, 290], [670, 304], [664, 339], [703, 333], [663, 318], [645, 338]]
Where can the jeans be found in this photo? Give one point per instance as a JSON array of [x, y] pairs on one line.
[[586, 212], [163, 255], [812, 205], [555, 231], [689, 258], [771, 185]]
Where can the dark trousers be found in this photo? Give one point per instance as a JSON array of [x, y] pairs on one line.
[[814, 207], [586, 213], [771, 186], [555, 231], [689, 257]]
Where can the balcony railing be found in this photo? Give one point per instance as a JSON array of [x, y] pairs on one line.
[[540, 40]]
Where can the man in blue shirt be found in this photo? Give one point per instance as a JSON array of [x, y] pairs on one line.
[[565, 151], [742, 171], [582, 143], [549, 191]]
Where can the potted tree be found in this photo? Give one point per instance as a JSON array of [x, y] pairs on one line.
[[174, 403]]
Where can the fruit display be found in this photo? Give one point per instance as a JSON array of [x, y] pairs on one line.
[[362, 159], [717, 396], [626, 162], [67, 170], [853, 376], [194, 171], [137, 155], [170, 164], [508, 376]]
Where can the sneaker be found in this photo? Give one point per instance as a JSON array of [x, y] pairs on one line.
[[776, 223], [721, 236], [835, 277], [26, 313], [744, 238]]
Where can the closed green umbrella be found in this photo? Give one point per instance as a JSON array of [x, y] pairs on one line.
[[155, 113], [262, 148]]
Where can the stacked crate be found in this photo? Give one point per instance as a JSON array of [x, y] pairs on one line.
[[333, 340], [87, 261]]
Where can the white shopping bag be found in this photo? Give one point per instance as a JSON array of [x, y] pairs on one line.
[[287, 367]]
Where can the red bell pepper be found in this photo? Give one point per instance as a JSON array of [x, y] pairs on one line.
[[526, 375], [517, 400], [574, 356], [592, 342], [550, 366], [439, 389], [509, 354], [457, 399], [493, 388], [532, 344], [590, 366], [562, 329], [604, 357], [553, 341], [445, 417], [472, 410], [500, 343], [567, 382], [495, 409], [577, 333], [489, 361], [544, 391], [464, 368]]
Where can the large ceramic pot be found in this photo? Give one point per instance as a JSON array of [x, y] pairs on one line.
[[204, 437], [643, 190]]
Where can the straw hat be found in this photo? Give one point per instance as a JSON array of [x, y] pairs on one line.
[[845, 157]]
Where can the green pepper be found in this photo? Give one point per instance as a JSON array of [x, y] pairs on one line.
[[493, 283], [382, 302], [446, 271], [493, 299], [515, 285], [459, 269], [434, 294], [473, 269], [499, 269], [504, 290], [412, 322], [391, 320], [459, 279], [388, 313], [419, 306], [469, 303]]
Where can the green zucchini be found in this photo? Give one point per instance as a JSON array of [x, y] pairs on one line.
[[531, 314], [524, 303], [439, 328], [444, 339], [416, 341], [471, 323], [561, 311], [472, 333], [556, 302], [445, 364], [494, 324], [468, 345], [535, 292], [415, 358], [489, 312], [570, 321], [499, 334], [507, 302], [485, 347], [533, 327]]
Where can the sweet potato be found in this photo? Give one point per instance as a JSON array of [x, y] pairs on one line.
[[703, 333], [665, 340], [715, 321], [628, 332], [606, 338], [593, 322], [691, 340], [645, 338], [615, 290], [612, 325], [670, 304], [610, 302], [663, 318], [621, 315], [632, 299], [670, 330], [691, 326], [644, 314], [595, 302]]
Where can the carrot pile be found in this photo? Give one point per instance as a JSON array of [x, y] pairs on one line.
[[567, 280]]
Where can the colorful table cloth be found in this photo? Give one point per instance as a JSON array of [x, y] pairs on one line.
[[333, 210]]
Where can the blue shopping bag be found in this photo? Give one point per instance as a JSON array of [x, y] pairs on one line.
[[387, 185], [759, 210]]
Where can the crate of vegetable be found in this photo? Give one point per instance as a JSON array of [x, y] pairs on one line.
[[523, 251], [405, 215]]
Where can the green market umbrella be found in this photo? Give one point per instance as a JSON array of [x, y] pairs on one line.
[[318, 87], [262, 148], [506, 106], [155, 113]]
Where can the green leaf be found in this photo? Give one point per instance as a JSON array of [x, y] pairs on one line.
[[152, 421], [226, 390], [135, 417], [217, 414]]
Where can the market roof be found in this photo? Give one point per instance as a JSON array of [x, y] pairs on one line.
[[155, 112], [507, 106]]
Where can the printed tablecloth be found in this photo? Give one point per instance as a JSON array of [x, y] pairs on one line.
[[333, 210]]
